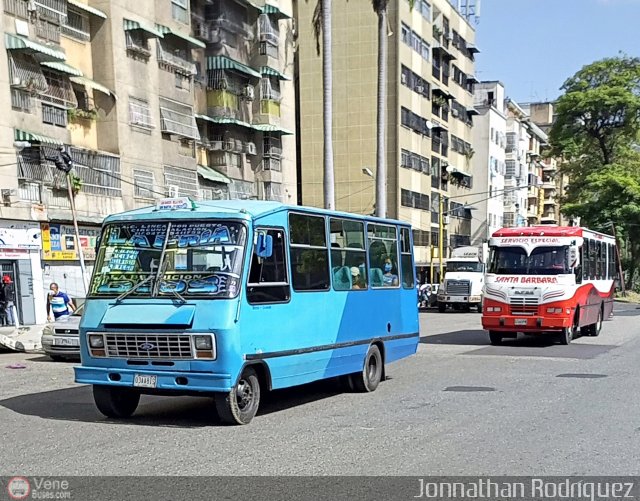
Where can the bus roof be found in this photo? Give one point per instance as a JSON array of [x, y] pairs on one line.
[[546, 231], [242, 209]]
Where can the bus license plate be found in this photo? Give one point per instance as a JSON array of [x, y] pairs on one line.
[[521, 321], [143, 381], [66, 341]]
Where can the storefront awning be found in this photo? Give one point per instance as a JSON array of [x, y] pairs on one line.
[[23, 135], [151, 31], [212, 174], [62, 68], [87, 82], [87, 8], [272, 10], [168, 32], [225, 63], [15, 42], [268, 71], [272, 128]]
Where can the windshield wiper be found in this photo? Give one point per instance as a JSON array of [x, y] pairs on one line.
[[120, 298], [158, 284]]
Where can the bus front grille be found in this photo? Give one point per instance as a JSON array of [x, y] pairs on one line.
[[524, 305], [458, 287], [149, 346]]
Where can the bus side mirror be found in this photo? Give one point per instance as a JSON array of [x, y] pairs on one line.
[[264, 246]]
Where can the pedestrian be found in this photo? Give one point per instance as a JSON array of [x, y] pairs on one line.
[[9, 301], [58, 303]]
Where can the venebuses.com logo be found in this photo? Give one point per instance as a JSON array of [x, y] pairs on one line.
[[18, 488]]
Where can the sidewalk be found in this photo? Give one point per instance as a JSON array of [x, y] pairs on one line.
[[27, 338]]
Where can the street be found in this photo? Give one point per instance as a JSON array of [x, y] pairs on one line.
[[459, 407]]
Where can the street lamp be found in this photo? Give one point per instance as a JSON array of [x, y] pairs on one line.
[[367, 172], [64, 163]]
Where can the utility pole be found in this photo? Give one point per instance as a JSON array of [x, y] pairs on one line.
[[441, 238], [615, 235], [64, 163]]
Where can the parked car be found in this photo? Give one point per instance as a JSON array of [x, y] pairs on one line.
[[60, 339]]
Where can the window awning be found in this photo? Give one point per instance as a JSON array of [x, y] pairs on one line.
[[472, 48], [15, 42], [62, 68], [87, 8], [92, 84], [275, 11], [442, 92], [268, 71], [224, 120], [212, 175], [472, 111], [225, 63], [23, 135], [130, 25], [472, 78], [455, 170], [445, 52], [272, 128], [167, 32]]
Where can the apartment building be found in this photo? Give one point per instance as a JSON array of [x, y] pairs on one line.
[[553, 182], [538, 140], [488, 165], [429, 108], [150, 99], [516, 193]]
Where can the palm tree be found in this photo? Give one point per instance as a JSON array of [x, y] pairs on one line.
[[380, 8], [322, 30]]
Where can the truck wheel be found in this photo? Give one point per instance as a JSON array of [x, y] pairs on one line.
[[368, 379], [442, 307], [479, 307], [115, 402], [495, 338], [569, 333], [240, 405]]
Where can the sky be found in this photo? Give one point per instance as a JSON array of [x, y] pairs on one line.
[[533, 46]]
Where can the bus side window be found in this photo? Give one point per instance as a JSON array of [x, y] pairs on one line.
[[268, 281], [309, 253], [406, 259], [598, 260]]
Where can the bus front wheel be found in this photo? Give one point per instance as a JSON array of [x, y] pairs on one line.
[[115, 402], [368, 379], [594, 329], [495, 338], [240, 405]]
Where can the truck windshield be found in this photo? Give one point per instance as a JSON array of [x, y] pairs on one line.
[[198, 259], [467, 266], [541, 261]]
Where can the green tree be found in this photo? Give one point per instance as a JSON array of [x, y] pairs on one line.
[[596, 127]]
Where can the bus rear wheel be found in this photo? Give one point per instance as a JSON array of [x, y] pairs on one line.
[[368, 379], [594, 329], [116, 402], [442, 307], [240, 405]]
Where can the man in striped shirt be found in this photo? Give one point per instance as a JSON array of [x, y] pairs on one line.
[[58, 303]]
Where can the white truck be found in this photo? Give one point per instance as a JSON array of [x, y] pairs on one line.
[[463, 280]]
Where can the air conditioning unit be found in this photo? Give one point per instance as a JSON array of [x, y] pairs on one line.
[[248, 92], [251, 148], [445, 219], [238, 146], [455, 113], [419, 89], [229, 145], [216, 145], [403, 78], [173, 191]]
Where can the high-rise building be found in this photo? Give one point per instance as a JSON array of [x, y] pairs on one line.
[[516, 168], [430, 70], [488, 165], [150, 99]]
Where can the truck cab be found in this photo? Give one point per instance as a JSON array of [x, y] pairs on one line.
[[463, 280]]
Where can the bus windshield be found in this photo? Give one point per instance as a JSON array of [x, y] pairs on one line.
[[541, 261], [198, 259], [468, 266]]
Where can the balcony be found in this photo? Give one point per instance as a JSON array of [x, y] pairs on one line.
[[549, 185], [51, 9], [176, 62]]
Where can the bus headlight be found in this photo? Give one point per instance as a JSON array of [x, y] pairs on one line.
[[494, 309], [554, 310], [96, 341], [203, 343]]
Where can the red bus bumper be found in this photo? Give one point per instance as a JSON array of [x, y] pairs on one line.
[[536, 323]]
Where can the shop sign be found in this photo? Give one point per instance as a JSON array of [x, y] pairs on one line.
[[59, 242], [19, 235]]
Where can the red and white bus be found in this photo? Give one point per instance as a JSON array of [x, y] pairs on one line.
[[548, 279]]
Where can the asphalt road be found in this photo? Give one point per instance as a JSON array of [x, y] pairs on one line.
[[459, 407]]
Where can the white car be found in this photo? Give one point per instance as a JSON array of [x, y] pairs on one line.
[[60, 339]]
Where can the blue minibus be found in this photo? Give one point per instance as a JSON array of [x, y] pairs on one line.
[[234, 298]]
